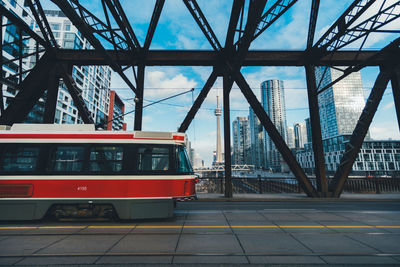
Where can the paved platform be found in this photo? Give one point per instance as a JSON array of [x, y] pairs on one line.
[[219, 233]]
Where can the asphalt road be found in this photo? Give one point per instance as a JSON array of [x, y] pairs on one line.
[[218, 233]]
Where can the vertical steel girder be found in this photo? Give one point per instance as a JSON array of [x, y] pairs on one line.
[[359, 133], [75, 94], [31, 89], [395, 80], [313, 23], [227, 85], [87, 32], [199, 100], [51, 98], [319, 157], [275, 136], [1, 64], [153, 23], [139, 98], [198, 15], [237, 7]]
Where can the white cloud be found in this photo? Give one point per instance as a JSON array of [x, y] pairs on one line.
[[385, 130], [389, 105]]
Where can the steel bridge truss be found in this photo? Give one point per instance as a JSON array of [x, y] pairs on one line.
[[113, 42]]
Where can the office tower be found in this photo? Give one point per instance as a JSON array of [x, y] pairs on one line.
[[273, 102], [241, 141], [300, 134], [218, 156], [256, 140], [290, 137], [340, 105]]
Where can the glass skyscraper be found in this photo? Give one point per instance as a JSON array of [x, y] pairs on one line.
[[273, 102], [340, 105], [241, 141]]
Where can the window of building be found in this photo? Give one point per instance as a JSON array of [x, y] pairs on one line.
[[55, 26]]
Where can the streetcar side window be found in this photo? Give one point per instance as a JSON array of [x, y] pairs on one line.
[[106, 158], [183, 162], [153, 158], [19, 158], [66, 159]]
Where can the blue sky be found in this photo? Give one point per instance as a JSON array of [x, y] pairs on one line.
[[178, 30]]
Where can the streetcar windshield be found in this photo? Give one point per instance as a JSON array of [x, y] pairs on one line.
[[183, 161]]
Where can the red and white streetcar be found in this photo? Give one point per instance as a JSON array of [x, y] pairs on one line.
[[73, 171]]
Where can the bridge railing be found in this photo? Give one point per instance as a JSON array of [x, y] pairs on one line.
[[259, 185]]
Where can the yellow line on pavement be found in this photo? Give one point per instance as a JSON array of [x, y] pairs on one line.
[[111, 227], [17, 228], [192, 226], [158, 226], [60, 227]]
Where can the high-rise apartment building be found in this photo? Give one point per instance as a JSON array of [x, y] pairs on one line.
[[241, 141], [93, 81], [256, 140], [11, 37], [273, 102], [341, 105], [290, 137], [300, 134]]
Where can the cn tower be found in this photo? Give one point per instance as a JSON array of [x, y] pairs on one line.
[[218, 113]]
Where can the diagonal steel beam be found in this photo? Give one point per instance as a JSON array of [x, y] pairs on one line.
[[269, 17], [350, 15], [372, 24], [75, 94], [387, 52], [20, 23], [395, 80], [273, 133], [31, 89], [237, 7], [41, 20], [313, 22], [99, 27], [199, 100], [359, 133], [89, 35], [153, 23], [201, 20], [120, 17]]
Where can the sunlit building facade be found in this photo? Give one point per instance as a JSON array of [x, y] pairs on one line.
[[273, 102]]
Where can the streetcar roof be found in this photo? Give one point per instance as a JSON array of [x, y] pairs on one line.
[[80, 133]]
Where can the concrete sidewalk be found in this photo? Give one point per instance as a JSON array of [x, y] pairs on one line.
[[297, 197]]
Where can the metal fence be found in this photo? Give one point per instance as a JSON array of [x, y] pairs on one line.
[[259, 185]]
